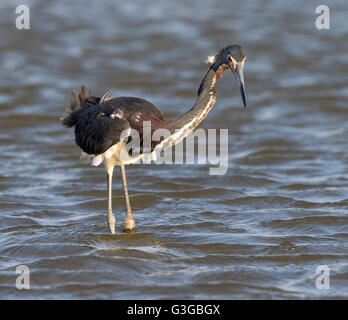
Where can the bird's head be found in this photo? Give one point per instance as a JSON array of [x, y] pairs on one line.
[[234, 58]]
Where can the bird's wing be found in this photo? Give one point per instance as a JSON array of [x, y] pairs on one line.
[[99, 122], [140, 114], [84, 99], [96, 131]]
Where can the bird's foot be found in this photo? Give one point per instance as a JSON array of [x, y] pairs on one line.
[[128, 225], [111, 223]]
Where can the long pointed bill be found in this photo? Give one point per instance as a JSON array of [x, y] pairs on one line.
[[240, 79]]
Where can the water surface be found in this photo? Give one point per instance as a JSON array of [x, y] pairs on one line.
[[257, 232]]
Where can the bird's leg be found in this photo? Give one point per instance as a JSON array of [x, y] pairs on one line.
[[111, 218], [129, 223]]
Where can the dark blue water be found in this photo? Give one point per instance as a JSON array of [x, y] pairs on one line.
[[258, 232]]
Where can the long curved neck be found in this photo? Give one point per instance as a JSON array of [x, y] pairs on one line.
[[205, 101]]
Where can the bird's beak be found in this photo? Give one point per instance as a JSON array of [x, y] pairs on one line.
[[238, 72]]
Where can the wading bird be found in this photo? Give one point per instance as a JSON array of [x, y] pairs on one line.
[[100, 122]]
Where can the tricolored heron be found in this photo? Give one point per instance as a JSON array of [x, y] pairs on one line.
[[100, 121]]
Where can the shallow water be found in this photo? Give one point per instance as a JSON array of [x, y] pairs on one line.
[[259, 231]]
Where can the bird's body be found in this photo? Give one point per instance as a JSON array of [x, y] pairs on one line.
[[98, 128], [103, 124]]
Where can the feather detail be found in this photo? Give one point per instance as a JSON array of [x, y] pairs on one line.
[[86, 156], [106, 96], [210, 60], [97, 161]]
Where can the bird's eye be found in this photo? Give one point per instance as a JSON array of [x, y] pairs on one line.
[[244, 59], [229, 58]]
